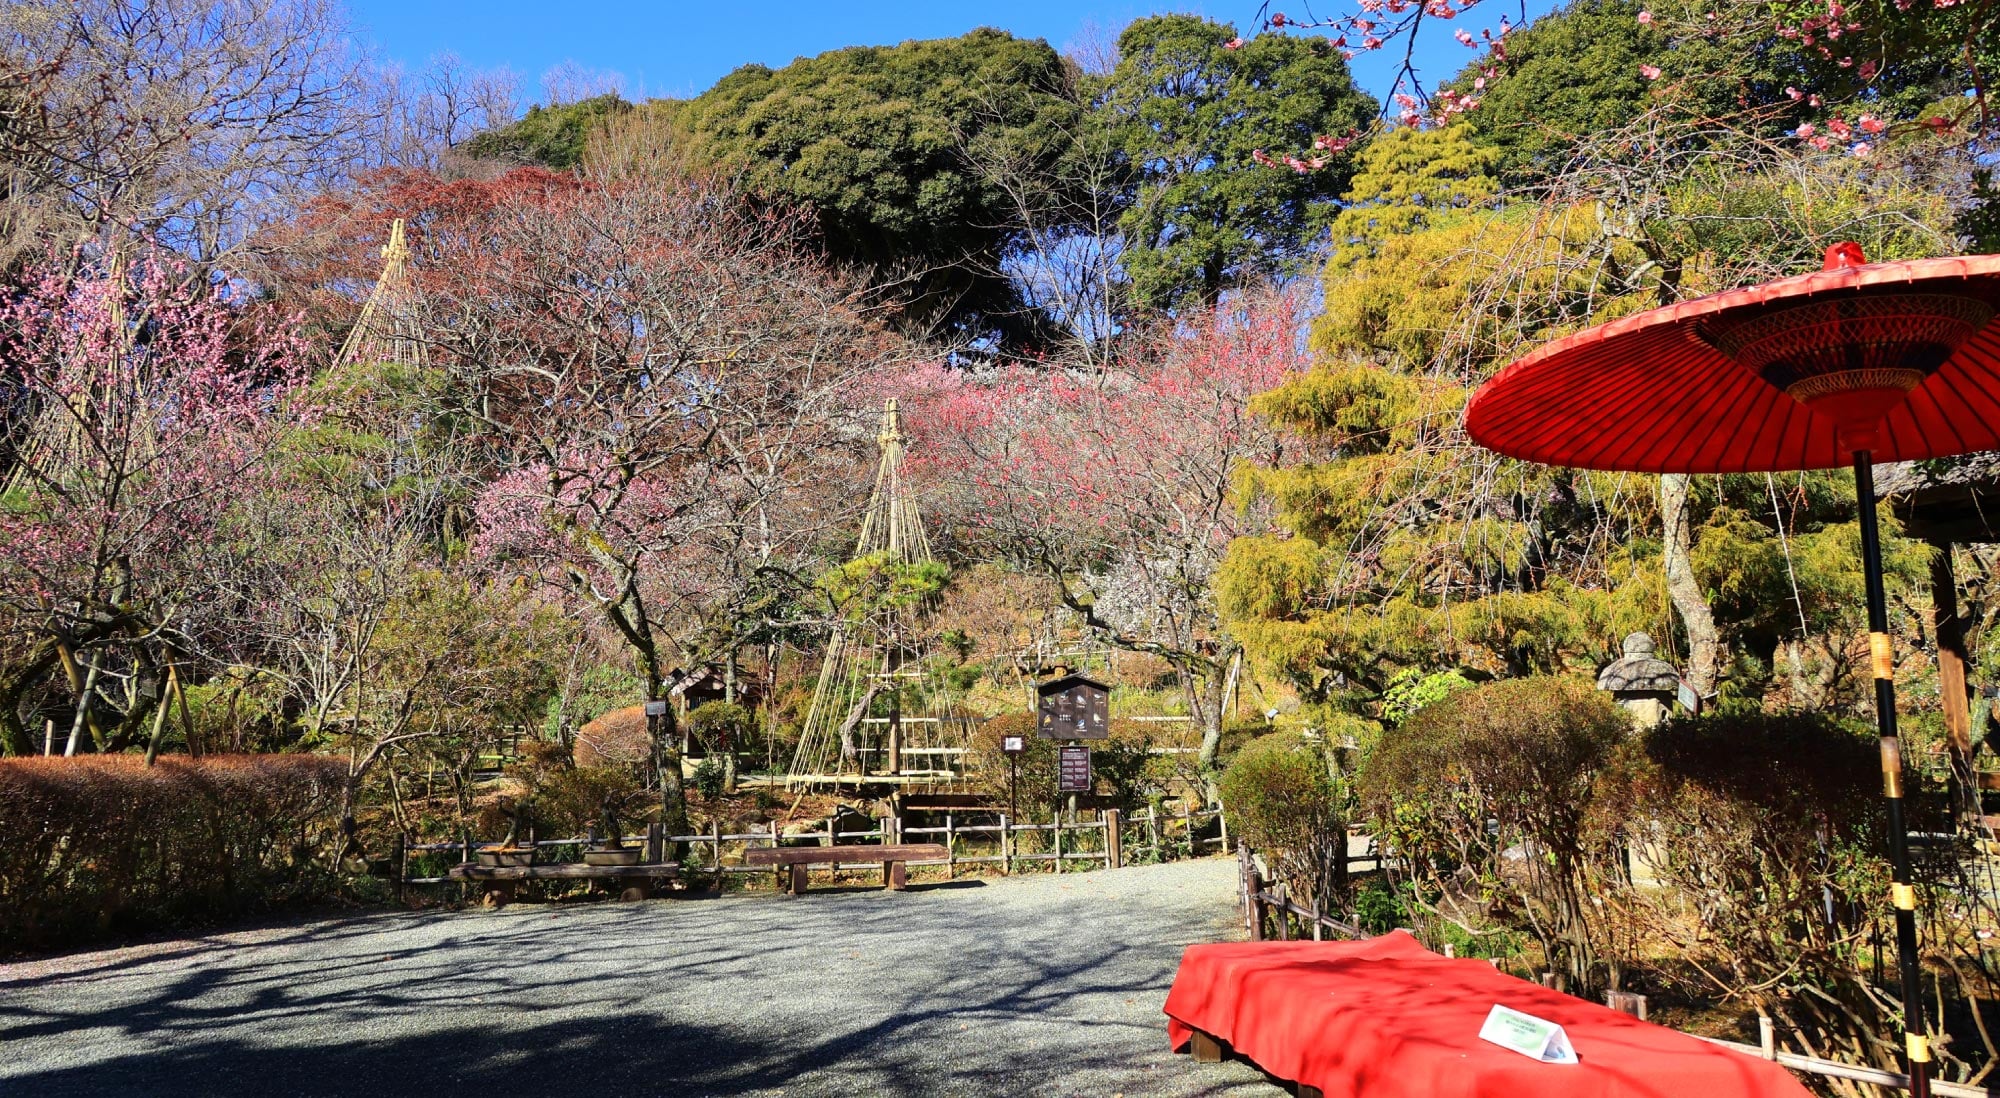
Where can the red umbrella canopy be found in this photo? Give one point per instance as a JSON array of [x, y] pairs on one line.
[[1898, 359]]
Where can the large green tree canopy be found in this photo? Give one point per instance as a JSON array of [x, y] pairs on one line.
[[1192, 103], [880, 142], [552, 136], [1581, 71]]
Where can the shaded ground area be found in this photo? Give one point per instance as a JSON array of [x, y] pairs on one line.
[[1037, 985]]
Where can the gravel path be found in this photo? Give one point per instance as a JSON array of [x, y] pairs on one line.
[[1038, 985]]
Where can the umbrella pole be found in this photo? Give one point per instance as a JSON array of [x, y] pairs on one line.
[[1902, 895]]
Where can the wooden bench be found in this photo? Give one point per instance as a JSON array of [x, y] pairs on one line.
[[893, 858], [631, 882], [1210, 1049]]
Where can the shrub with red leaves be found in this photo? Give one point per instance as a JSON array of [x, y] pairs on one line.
[[104, 844]]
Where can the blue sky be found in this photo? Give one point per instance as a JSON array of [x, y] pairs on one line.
[[676, 48]]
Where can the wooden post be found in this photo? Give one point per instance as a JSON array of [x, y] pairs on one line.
[[715, 837], [1222, 827], [1205, 1049], [1153, 832], [778, 872], [656, 844], [1627, 1002], [1006, 848], [1256, 896], [1951, 658], [1317, 929], [398, 862], [1114, 842], [1058, 825], [1187, 822], [950, 847], [1767, 1037], [1284, 913]]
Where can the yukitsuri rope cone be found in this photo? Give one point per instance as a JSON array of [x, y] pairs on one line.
[[877, 688]]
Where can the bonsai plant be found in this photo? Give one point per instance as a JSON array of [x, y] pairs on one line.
[[510, 852], [610, 849]]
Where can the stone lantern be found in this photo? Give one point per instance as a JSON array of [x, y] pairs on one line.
[[1641, 682]]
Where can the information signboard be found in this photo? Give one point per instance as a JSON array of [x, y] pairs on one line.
[[1073, 769], [1074, 708]]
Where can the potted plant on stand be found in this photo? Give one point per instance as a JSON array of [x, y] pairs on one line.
[[611, 848], [510, 852]]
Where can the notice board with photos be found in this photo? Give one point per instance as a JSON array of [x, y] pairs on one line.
[[1073, 707]]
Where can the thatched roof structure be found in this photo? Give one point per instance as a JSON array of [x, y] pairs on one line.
[[1948, 500]]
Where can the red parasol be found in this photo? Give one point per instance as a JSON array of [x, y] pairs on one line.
[[1896, 355], [1852, 363]]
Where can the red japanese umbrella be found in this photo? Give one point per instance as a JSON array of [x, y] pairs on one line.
[[1850, 364]]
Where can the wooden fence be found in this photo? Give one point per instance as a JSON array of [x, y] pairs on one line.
[[1261, 900], [1107, 842]]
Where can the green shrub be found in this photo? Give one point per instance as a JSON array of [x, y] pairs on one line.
[[1755, 824], [1410, 690], [710, 776], [105, 844], [1483, 796], [721, 725], [1379, 909], [1280, 793]]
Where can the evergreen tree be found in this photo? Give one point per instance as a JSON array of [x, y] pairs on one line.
[[1192, 103], [552, 137], [878, 141]]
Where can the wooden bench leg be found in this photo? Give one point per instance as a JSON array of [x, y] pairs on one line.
[[1309, 1092], [798, 879], [895, 877], [1206, 1049]]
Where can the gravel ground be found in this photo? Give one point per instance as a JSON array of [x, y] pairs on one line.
[[1037, 985]]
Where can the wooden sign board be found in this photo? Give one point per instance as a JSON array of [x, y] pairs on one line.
[[1073, 769], [1074, 708]]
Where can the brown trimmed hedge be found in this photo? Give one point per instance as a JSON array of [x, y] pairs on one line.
[[104, 844]]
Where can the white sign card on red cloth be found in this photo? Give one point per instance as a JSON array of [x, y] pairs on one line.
[[1528, 1035]]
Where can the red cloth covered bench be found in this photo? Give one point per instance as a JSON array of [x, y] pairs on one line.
[[1387, 1018]]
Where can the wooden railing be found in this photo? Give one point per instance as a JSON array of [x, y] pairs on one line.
[[1260, 900], [1103, 842]]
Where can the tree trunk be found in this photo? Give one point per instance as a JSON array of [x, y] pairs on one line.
[[14, 736], [1704, 667], [1208, 710], [667, 752]]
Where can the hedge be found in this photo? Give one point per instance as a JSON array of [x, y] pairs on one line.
[[104, 844]]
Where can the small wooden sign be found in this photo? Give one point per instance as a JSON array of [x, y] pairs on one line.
[[1013, 745], [656, 708], [1073, 769], [1074, 708]]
